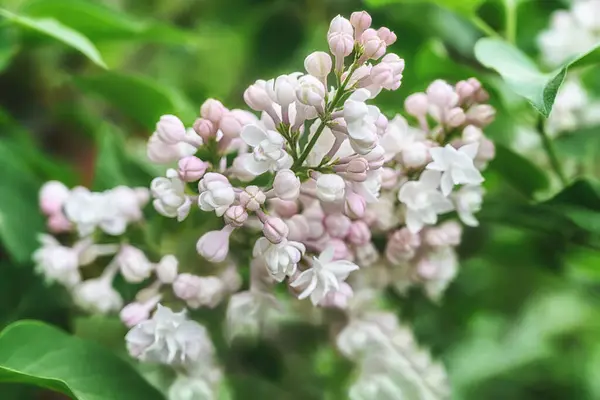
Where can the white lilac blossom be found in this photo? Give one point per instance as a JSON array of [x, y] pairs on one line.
[[423, 200], [268, 153], [216, 193], [169, 195], [169, 338], [98, 295], [249, 312], [281, 259], [133, 264], [324, 276], [456, 166], [467, 202], [56, 262]]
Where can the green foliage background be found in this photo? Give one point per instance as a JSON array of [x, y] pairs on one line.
[[81, 80]]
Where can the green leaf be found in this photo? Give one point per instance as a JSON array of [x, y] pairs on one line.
[[8, 46], [138, 97], [580, 203], [39, 354], [518, 171], [523, 76], [99, 22], [56, 30], [583, 264], [465, 7]]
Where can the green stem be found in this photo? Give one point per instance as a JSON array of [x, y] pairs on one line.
[[551, 152], [510, 10], [484, 27], [325, 118]]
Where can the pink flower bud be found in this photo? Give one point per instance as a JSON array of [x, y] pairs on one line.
[[53, 195], [426, 269], [256, 96], [252, 198], [318, 64], [214, 245], [166, 269], [486, 152], [275, 230], [356, 169], [340, 249], [389, 178], [381, 123], [361, 21], [442, 94], [310, 91], [374, 47], [187, 286], [205, 129], [212, 110], [402, 245], [170, 129], [415, 156], [417, 104], [338, 298], [447, 234], [235, 216], [337, 225], [355, 205], [481, 114], [376, 157], [233, 121], [284, 208], [387, 36], [134, 313], [471, 134], [464, 90], [286, 185], [340, 37], [191, 168], [58, 223], [366, 254], [455, 117], [298, 228], [359, 233]]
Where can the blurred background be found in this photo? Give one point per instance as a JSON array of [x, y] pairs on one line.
[[77, 100]]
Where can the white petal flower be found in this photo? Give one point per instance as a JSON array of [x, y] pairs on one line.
[[457, 166], [330, 188], [268, 151], [323, 277], [134, 265], [360, 122], [56, 262], [169, 338], [169, 195], [98, 295], [423, 200], [282, 258], [467, 202], [85, 209], [216, 193]]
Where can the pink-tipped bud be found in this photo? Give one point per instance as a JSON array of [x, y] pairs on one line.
[[298, 228], [340, 37], [401, 246], [214, 245], [456, 117], [53, 195], [233, 121], [442, 94], [318, 64], [256, 96], [374, 46], [205, 129], [284, 208], [191, 168], [447, 234], [389, 178], [415, 156], [471, 134], [417, 104], [355, 205], [340, 249], [486, 152], [387, 36], [187, 286], [166, 269], [376, 157], [58, 223], [381, 124], [135, 313], [310, 91], [464, 90], [212, 110], [356, 169], [361, 21], [481, 114], [275, 230], [235, 216], [170, 129], [359, 233], [337, 225], [286, 185], [338, 298], [252, 198]]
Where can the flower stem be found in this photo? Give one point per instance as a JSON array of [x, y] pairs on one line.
[[510, 10], [484, 27], [325, 118], [551, 152]]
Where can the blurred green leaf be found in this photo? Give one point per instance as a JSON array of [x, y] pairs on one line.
[[39, 354], [523, 76], [518, 171], [99, 22], [583, 263], [138, 97], [56, 30], [465, 7], [8, 46], [580, 202]]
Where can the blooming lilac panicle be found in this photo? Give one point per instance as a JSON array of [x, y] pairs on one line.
[[456, 166], [281, 258]]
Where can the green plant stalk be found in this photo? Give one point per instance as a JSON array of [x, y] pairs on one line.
[[338, 95], [551, 152], [484, 27], [510, 11]]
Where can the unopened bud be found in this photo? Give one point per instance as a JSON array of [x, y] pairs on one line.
[[356, 169], [359, 233], [256, 96], [417, 104], [337, 225], [170, 129], [481, 114], [284, 208], [455, 117], [166, 269], [212, 110], [275, 230], [286, 185], [471, 134], [53, 195], [361, 21], [298, 228], [387, 36], [355, 205], [374, 46], [442, 94], [235, 216], [252, 198], [191, 168], [205, 129], [415, 156], [318, 64], [340, 37], [310, 91]]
